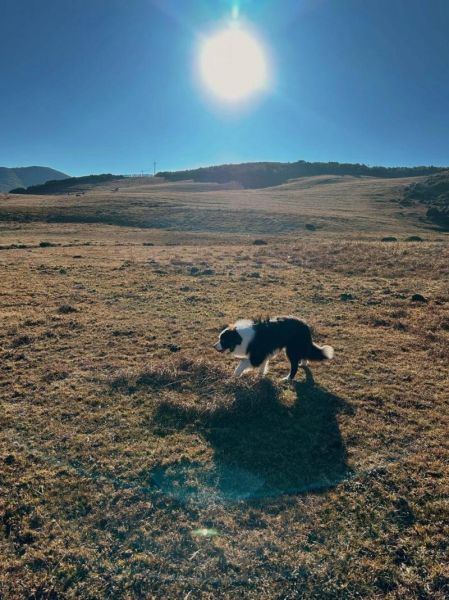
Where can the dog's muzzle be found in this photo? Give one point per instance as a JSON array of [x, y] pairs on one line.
[[218, 347]]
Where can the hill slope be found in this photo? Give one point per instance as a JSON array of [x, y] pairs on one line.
[[355, 206], [26, 176], [66, 185], [434, 193], [267, 174]]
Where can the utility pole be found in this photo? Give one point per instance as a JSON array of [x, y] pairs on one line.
[[154, 169]]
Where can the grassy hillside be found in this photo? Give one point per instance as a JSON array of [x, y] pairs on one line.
[[433, 192], [266, 174], [26, 176], [133, 466], [333, 205], [71, 184]]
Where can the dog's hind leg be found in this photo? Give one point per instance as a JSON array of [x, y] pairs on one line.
[[294, 358], [242, 366]]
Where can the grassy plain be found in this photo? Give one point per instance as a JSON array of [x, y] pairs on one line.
[[133, 466]]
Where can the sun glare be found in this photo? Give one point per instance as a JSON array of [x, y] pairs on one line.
[[232, 64]]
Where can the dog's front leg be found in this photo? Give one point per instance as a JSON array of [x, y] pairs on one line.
[[242, 366], [263, 369]]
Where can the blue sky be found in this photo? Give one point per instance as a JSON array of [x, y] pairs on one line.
[[89, 86]]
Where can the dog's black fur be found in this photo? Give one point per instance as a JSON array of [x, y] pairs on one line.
[[276, 334]]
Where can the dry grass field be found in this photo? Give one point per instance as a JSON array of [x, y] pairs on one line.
[[132, 465], [346, 206]]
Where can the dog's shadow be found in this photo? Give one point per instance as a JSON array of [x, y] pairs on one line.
[[263, 447]]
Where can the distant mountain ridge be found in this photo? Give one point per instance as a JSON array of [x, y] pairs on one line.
[[267, 174], [25, 176]]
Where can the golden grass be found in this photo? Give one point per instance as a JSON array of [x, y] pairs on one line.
[[130, 470]]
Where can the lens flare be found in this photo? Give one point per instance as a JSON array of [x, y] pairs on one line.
[[204, 532], [232, 64]]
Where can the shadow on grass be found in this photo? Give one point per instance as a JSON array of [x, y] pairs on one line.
[[262, 447], [285, 449]]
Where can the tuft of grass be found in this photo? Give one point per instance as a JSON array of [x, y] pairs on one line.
[[67, 309], [21, 340]]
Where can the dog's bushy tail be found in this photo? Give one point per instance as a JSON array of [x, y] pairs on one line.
[[320, 352]]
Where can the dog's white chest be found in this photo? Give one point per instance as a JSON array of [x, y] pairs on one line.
[[246, 332]]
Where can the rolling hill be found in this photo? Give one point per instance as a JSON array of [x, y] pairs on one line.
[[67, 185], [433, 192], [268, 174], [26, 176], [355, 206]]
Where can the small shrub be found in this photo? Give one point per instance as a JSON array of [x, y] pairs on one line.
[[66, 309], [260, 243], [51, 376], [21, 340], [414, 238], [32, 322], [123, 332], [419, 298], [125, 265], [9, 459], [46, 244], [389, 238], [378, 322]]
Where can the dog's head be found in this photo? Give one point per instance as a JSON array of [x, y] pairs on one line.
[[228, 339]]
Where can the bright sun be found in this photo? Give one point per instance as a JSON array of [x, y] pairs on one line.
[[232, 64]]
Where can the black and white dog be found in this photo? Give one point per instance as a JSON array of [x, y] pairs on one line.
[[255, 342]]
